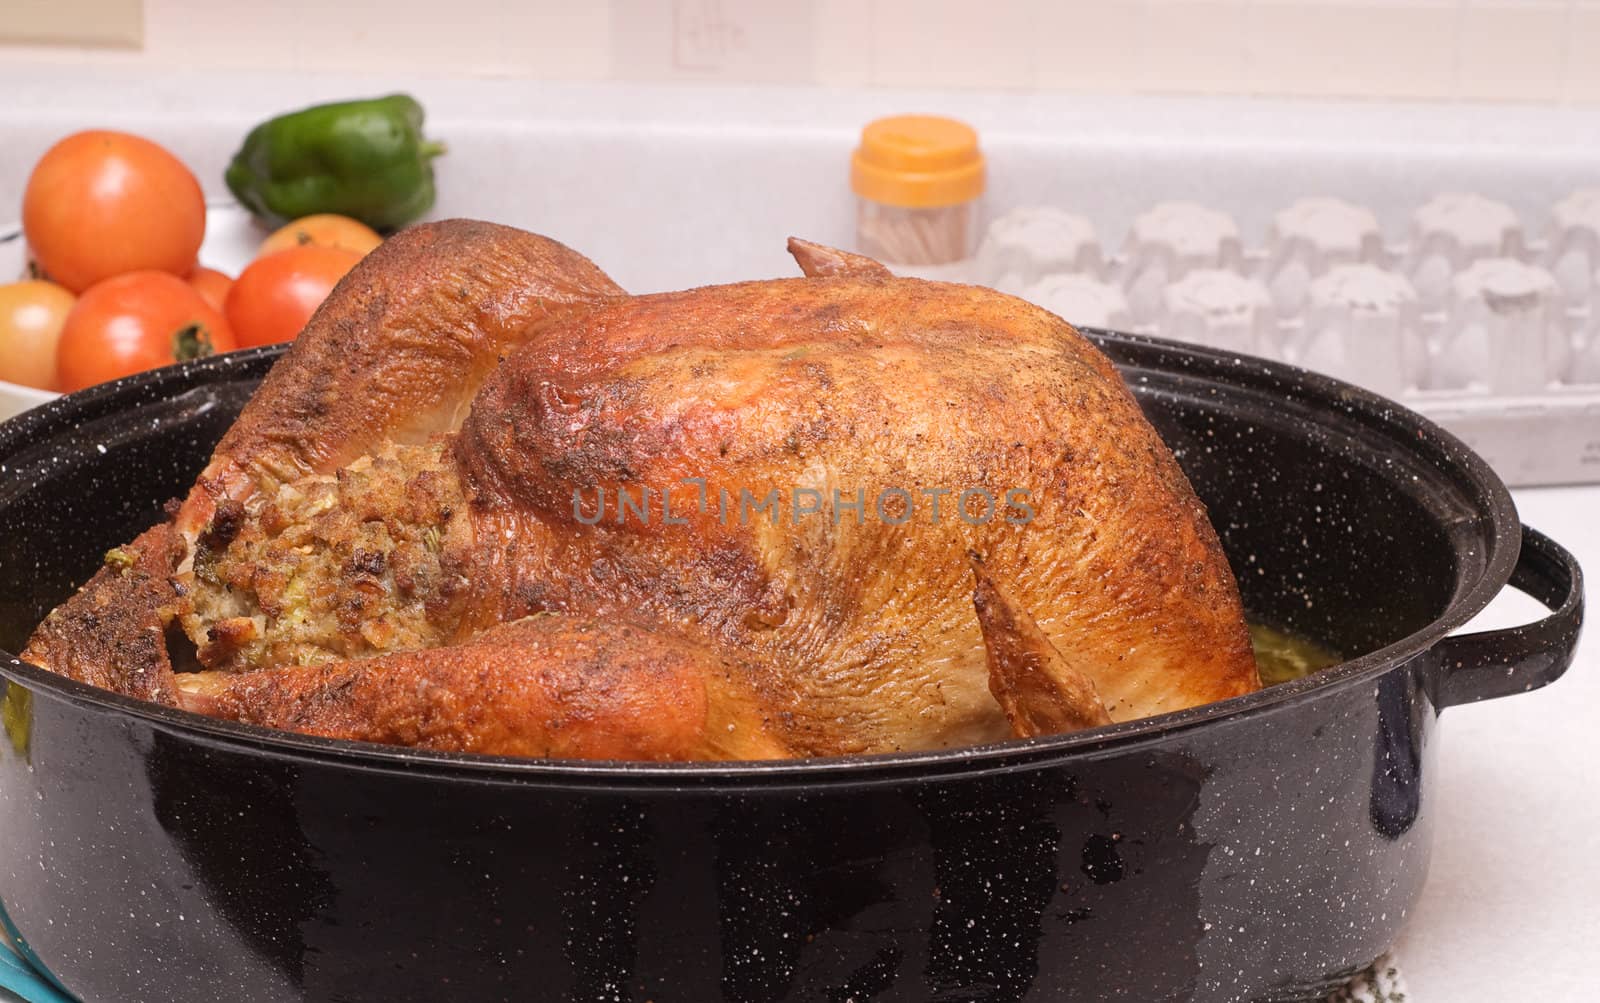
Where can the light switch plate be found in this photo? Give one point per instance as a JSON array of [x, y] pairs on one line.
[[117, 23], [744, 40]]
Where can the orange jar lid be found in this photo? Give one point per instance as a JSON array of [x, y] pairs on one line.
[[917, 162]]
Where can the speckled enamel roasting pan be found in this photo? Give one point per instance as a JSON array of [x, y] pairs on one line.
[[1254, 849]]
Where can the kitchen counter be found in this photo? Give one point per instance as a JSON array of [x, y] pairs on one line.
[[1509, 910]]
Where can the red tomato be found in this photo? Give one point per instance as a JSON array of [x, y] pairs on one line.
[[272, 299], [135, 322], [211, 284], [102, 203]]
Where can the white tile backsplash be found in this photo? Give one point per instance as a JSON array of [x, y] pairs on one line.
[[552, 38], [1358, 48], [1583, 43], [952, 43], [1475, 49], [214, 35], [1513, 48], [1406, 50], [407, 33], [842, 42], [1088, 45], [1193, 47]]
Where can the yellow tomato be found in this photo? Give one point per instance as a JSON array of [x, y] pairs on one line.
[[31, 316], [324, 230]]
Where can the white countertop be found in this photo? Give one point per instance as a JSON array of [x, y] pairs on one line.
[[1511, 910]]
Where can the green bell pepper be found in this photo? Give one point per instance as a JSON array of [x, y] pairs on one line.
[[365, 159]]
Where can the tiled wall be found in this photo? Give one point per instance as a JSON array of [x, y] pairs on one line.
[[1478, 49]]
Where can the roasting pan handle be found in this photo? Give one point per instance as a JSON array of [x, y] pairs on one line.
[[1497, 663]]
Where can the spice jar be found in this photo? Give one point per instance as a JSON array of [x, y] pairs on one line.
[[918, 179]]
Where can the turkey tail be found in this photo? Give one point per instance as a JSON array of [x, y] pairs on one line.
[[820, 260]]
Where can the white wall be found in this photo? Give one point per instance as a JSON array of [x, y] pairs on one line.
[[1546, 50]]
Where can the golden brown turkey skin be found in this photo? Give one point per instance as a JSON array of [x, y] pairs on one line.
[[812, 578], [866, 631], [112, 633], [550, 686], [395, 353]]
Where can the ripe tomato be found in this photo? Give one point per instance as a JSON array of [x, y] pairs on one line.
[[31, 315], [274, 296], [324, 229], [102, 203], [211, 284], [135, 322]]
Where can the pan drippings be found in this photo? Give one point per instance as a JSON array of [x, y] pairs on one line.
[[1282, 656]]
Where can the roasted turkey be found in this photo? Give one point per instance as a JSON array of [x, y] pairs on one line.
[[490, 502]]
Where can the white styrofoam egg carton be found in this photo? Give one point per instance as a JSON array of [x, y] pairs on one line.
[[1491, 332]]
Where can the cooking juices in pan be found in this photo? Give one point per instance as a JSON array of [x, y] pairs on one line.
[[1281, 656]]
